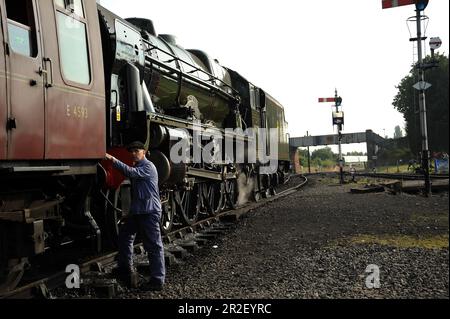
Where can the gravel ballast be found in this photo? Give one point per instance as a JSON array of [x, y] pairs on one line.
[[318, 243]]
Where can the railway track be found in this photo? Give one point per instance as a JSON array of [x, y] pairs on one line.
[[177, 245]]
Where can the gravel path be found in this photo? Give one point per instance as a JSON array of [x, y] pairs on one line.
[[318, 243]]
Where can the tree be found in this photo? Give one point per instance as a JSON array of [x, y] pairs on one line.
[[392, 155], [407, 103], [324, 154], [398, 133], [303, 154]]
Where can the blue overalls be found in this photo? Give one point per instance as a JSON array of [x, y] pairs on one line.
[[145, 216]]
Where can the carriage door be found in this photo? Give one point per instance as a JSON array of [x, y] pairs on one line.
[[25, 77], [75, 109]]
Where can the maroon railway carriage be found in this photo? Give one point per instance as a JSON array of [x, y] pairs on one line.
[[53, 131]]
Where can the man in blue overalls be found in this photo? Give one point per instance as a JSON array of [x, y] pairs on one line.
[[145, 216]]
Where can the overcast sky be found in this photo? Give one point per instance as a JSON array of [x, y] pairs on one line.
[[301, 50]]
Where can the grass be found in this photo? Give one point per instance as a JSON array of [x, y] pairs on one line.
[[403, 241], [433, 242], [394, 169], [425, 219]]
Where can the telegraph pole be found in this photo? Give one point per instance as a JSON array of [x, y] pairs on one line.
[[423, 106]]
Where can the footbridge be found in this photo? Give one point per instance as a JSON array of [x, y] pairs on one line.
[[374, 142]]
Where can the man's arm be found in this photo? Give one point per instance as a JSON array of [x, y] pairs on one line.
[[130, 172]]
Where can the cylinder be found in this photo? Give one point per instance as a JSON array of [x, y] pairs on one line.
[[158, 135], [168, 172]]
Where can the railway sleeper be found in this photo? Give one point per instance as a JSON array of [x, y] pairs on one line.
[[221, 229], [201, 242], [214, 232], [190, 246], [103, 286], [178, 251], [106, 289], [169, 259], [42, 292], [230, 218], [207, 236]]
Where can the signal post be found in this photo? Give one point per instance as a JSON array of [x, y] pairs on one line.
[[422, 86], [338, 120]]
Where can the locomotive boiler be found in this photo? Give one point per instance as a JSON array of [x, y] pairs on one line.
[[77, 81]]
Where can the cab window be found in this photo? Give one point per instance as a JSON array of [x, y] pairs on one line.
[[21, 27], [73, 41]]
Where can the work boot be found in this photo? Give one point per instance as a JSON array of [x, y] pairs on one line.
[[152, 285], [129, 276]]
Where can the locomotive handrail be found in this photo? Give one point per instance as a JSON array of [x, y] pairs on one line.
[[176, 58], [196, 69], [181, 74], [160, 118]]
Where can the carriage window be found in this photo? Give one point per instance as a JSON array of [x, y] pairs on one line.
[[21, 27], [73, 49], [60, 3], [77, 7], [73, 6]]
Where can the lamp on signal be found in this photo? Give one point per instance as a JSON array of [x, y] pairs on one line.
[[421, 4]]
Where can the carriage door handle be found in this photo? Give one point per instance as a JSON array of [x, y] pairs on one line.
[[49, 84]]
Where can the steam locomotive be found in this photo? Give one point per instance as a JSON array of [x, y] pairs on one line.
[[77, 81]]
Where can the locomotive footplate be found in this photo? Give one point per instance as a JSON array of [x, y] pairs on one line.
[[34, 169], [26, 226], [209, 174], [16, 169], [37, 210]]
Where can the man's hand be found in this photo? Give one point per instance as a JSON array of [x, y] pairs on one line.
[[109, 157]]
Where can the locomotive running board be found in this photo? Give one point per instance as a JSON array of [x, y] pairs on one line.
[[39, 210], [209, 175], [184, 124], [33, 169], [54, 170]]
